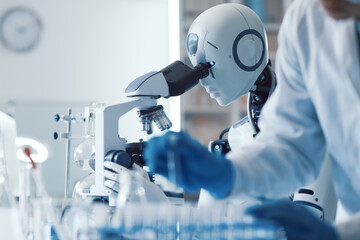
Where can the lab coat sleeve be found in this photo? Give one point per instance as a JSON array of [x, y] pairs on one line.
[[290, 148], [349, 230]]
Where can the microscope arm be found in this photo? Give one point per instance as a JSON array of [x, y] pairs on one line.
[[106, 139]]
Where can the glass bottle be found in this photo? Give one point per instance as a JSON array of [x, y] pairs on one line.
[[130, 205]]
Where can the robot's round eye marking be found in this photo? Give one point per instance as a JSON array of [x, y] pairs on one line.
[[192, 43], [235, 52]]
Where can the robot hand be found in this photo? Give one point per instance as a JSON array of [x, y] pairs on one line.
[[194, 166], [296, 220], [111, 173]]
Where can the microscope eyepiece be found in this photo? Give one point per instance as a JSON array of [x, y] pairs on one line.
[[181, 78], [204, 69]]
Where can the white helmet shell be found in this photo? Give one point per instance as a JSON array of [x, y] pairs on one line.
[[232, 36]]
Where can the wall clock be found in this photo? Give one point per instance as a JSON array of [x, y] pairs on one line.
[[20, 29]]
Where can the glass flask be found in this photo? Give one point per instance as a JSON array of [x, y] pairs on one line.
[[86, 149], [84, 152]]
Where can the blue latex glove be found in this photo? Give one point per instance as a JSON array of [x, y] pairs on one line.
[[196, 167], [297, 221]]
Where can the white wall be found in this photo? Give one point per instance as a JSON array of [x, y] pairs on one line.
[[89, 51]]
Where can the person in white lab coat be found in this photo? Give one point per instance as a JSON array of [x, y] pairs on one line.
[[315, 109]]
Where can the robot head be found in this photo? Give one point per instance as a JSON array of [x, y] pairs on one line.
[[232, 36]]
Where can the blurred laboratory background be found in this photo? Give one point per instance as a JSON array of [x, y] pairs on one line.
[[57, 56]]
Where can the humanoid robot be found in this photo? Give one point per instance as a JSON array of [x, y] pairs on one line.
[[237, 43]]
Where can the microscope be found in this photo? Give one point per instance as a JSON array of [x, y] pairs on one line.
[[143, 93]]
